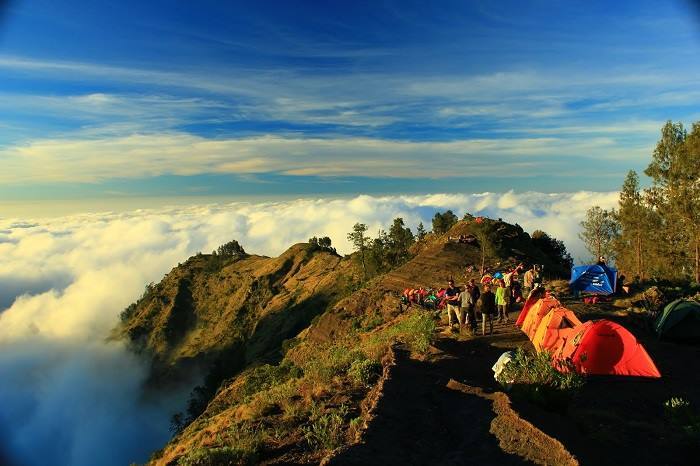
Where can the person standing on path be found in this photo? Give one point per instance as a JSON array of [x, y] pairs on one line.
[[452, 301], [508, 283], [487, 306], [502, 301], [537, 277], [471, 310], [464, 300], [528, 281]]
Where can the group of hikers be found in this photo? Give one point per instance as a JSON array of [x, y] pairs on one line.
[[493, 298]]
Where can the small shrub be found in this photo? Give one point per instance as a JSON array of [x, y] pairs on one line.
[[289, 344], [325, 431], [266, 376], [364, 372], [128, 312], [540, 380], [355, 426], [279, 397], [681, 413], [417, 331], [323, 363], [223, 456], [370, 321], [247, 440]]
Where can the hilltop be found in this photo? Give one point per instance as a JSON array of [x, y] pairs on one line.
[[232, 311], [437, 259]]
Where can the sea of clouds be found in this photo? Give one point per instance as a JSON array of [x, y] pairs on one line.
[[69, 397]]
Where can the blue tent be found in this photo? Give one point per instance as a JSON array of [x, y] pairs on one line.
[[598, 279]]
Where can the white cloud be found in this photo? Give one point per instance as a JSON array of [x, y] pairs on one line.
[[71, 276], [147, 155]]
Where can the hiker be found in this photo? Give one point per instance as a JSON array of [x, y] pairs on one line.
[[471, 310], [537, 277], [601, 261], [508, 283], [502, 301], [487, 306], [464, 303], [528, 279], [452, 301], [517, 292]]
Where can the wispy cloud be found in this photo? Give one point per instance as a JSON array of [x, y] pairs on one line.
[[147, 155], [371, 99]]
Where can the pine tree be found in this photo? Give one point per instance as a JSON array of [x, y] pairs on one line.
[[359, 242], [420, 232], [231, 249], [675, 171], [443, 222], [600, 230], [633, 216], [553, 248], [400, 238]]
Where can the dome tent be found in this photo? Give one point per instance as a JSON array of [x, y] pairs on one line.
[[603, 347], [680, 320], [529, 302], [597, 279], [537, 313], [552, 326]]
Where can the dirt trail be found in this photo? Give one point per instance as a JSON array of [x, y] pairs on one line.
[[422, 420]]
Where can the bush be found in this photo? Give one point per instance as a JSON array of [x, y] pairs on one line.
[[325, 431], [266, 376], [364, 372], [681, 413], [323, 363], [223, 456], [417, 331], [442, 222], [128, 312], [231, 249], [540, 380], [367, 321]]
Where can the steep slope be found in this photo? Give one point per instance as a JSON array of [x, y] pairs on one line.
[[238, 310]]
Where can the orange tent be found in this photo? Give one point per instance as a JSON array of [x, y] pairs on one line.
[[529, 302], [536, 314], [557, 321], [604, 348]]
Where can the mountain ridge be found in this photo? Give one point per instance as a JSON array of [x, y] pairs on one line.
[[306, 302]]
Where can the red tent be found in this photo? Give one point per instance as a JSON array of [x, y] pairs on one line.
[[605, 348]]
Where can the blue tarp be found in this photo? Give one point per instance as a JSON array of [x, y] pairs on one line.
[[598, 279]]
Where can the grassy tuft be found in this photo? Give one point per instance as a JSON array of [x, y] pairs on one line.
[[537, 378], [325, 431], [364, 372], [416, 330], [267, 376], [681, 413]]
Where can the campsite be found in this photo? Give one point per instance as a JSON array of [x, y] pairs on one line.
[[613, 420]]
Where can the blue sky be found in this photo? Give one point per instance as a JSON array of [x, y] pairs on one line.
[[111, 99]]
